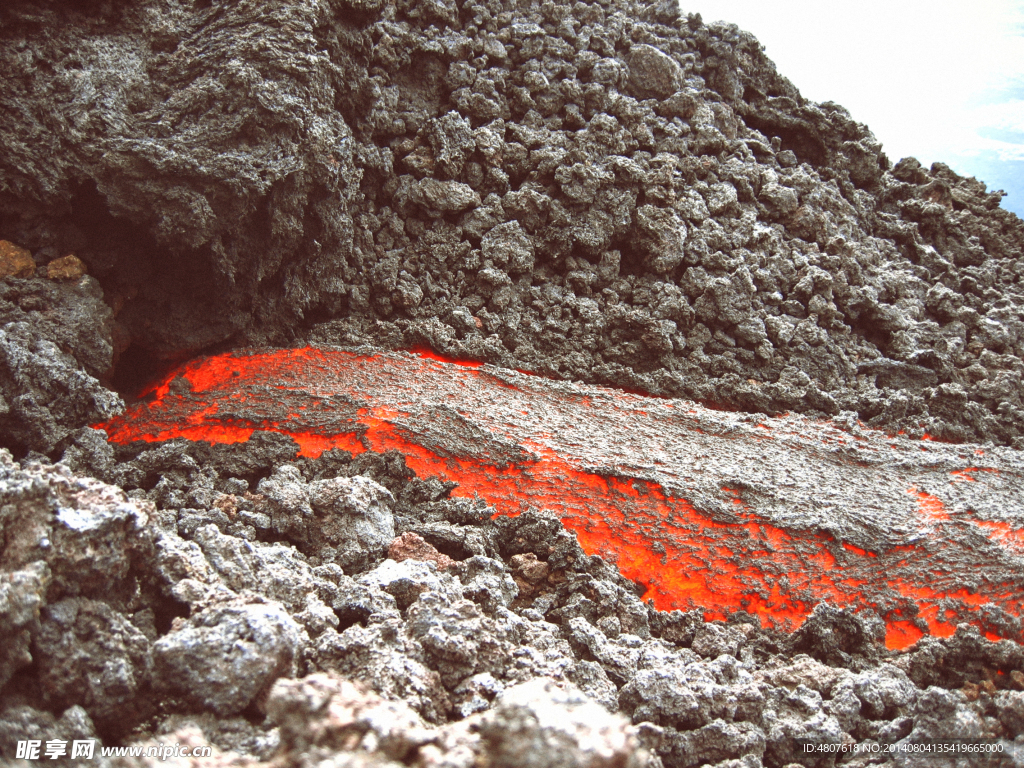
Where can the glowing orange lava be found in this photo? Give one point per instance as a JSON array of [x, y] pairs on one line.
[[640, 481]]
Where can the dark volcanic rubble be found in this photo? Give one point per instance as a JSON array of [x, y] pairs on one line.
[[606, 192], [609, 192], [212, 618]]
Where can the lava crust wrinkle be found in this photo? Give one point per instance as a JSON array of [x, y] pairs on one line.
[[705, 509]]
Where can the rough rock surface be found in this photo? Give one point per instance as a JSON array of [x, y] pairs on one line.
[[608, 192], [197, 614], [56, 340], [342, 520]]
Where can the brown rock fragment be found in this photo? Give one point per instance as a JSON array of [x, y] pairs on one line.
[[529, 573], [15, 261], [68, 267], [1018, 679], [410, 546], [228, 504]]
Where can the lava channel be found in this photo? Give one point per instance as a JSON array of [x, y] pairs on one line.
[[708, 510]]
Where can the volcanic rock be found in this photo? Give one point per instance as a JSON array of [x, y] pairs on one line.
[[78, 535], [408, 579], [556, 726], [224, 657], [410, 546], [533, 724], [633, 206], [15, 261], [19, 722], [92, 656], [610, 193], [68, 267], [56, 340], [71, 548], [342, 520], [23, 593], [488, 583], [214, 588]]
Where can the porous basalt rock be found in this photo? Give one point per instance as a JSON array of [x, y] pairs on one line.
[[607, 193], [452, 647], [344, 520], [87, 534], [22, 593], [536, 724], [222, 658], [21, 722], [92, 656], [45, 394], [56, 341], [69, 569], [611, 192]]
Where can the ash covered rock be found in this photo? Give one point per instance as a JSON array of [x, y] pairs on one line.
[[321, 715], [533, 724], [556, 726], [21, 596], [383, 655], [90, 655], [224, 619], [57, 341], [488, 583], [409, 579], [45, 393], [222, 658], [20, 722], [344, 520], [70, 314], [611, 193], [70, 570], [81, 536]]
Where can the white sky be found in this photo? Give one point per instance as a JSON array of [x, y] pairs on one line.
[[939, 80]]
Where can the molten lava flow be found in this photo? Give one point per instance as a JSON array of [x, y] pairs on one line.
[[709, 510]]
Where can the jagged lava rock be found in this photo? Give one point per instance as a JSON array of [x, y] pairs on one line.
[[69, 567], [210, 590], [224, 657], [607, 192], [56, 341]]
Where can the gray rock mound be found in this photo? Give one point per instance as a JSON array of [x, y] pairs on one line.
[[57, 342], [611, 193]]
